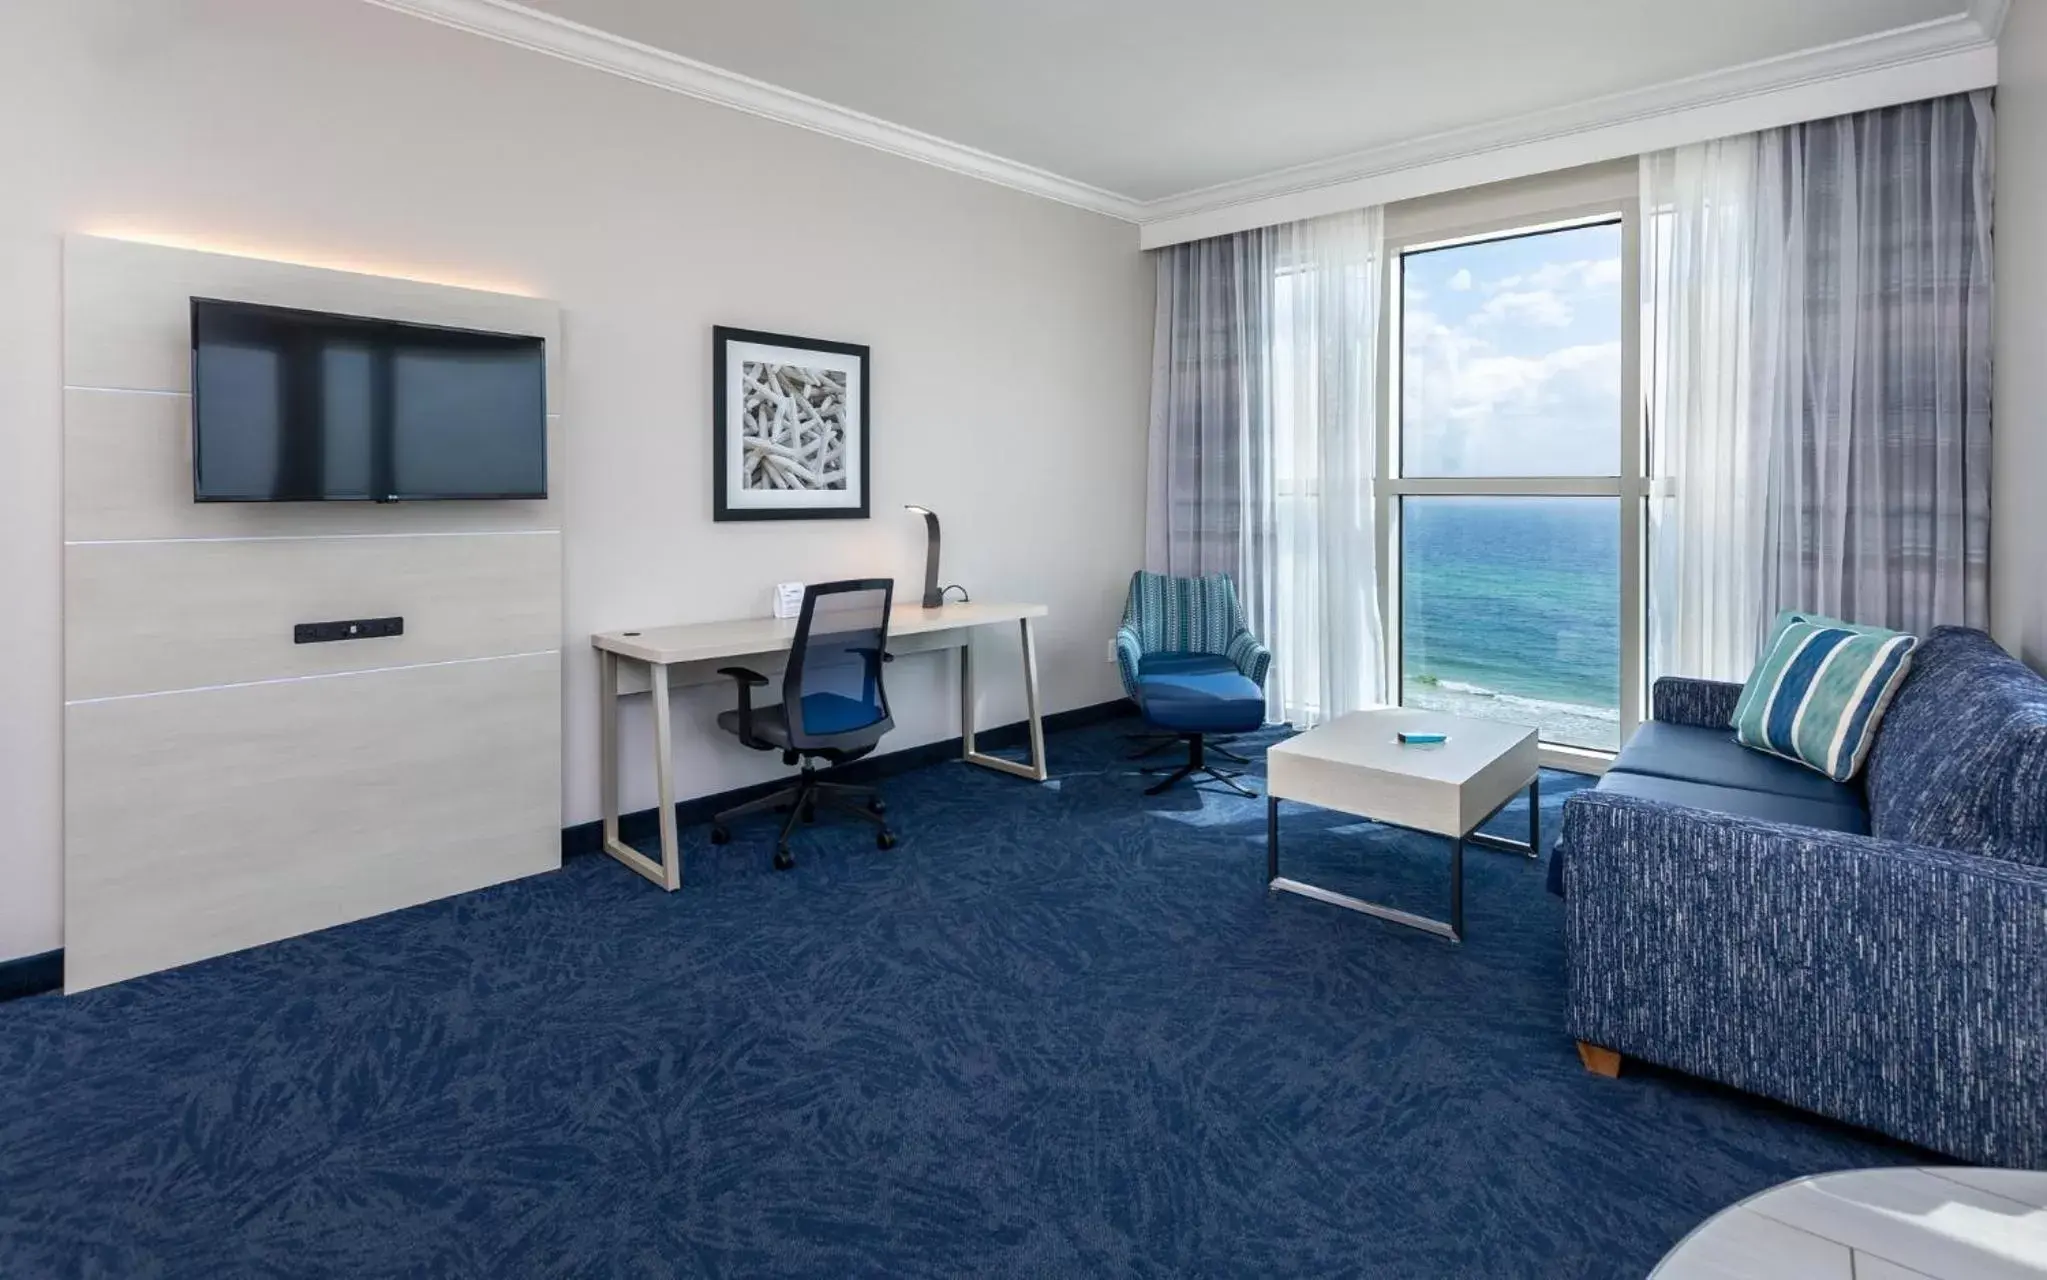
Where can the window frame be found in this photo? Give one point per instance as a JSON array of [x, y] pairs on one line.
[[1447, 224]]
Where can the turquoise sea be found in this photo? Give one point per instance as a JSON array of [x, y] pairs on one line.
[[1511, 610]]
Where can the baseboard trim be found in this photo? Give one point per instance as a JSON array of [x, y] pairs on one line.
[[640, 825], [32, 975]]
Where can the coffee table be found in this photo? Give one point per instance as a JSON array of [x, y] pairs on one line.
[[1356, 765]]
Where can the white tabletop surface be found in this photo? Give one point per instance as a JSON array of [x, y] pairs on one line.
[[1365, 740], [704, 641], [1356, 764], [1935, 1223]]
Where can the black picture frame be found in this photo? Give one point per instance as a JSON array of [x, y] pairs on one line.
[[727, 427]]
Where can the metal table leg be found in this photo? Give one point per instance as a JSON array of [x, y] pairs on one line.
[[1453, 929], [1533, 848]]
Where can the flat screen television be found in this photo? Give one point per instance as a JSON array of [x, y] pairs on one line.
[[304, 406]]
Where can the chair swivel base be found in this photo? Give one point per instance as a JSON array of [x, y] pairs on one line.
[[801, 800], [1198, 768], [1154, 741]]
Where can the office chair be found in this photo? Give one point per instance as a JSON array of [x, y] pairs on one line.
[[833, 708]]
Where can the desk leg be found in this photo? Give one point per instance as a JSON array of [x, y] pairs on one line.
[[1034, 769], [607, 741], [664, 781], [668, 872]]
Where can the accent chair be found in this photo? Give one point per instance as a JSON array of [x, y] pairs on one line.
[[1192, 667]]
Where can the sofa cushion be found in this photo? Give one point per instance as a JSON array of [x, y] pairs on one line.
[[1961, 762], [1712, 756], [1830, 815], [1819, 692], [1201, 701]]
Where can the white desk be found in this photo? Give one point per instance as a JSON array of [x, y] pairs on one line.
[[662, 659]]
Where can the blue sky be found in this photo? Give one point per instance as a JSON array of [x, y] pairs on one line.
[[1512, 356]]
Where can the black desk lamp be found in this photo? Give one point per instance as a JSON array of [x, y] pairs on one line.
[[932, 596]]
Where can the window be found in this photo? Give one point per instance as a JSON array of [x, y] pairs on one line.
[[1513, 510]]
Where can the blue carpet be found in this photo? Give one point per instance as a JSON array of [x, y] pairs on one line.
[[1060, 1030]]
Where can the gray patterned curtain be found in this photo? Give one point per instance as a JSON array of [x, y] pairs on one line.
[[1209, 403], [1874, 311]]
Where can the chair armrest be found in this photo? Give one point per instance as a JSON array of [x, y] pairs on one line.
[[748, 680], [1250, 656], [1129, 650], [1707, 704], [1894, 986]]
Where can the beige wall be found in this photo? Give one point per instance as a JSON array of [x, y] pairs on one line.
[[2018, 597], [1011, 335]]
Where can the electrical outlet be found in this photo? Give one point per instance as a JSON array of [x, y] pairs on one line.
[[1112, 648]]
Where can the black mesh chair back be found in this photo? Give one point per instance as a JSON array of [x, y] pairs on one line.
[[833, 693]]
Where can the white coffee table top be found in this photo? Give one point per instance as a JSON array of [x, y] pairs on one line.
[[1356, 764], [1876, 1224]]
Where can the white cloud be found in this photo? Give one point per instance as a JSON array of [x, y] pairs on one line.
[[1462, 280], [1471, 408], [1541, 307], [1582, 276]]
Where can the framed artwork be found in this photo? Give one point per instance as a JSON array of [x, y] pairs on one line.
[[790, 432]]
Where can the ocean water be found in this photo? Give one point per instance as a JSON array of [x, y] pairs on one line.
[[1511, 611]]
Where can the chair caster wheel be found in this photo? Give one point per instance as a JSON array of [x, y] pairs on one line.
[[885, 840], [784, 859], [720, 835], [876, 806]]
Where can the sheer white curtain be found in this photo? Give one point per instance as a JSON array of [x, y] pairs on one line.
[[1708, 448], [1818, 308], [1264, 444]]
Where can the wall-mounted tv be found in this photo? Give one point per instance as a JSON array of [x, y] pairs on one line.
[[304, 406]]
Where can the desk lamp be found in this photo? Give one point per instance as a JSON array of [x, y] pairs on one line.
[[933, 597]]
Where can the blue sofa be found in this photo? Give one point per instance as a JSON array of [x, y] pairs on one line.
[[1875, 952]]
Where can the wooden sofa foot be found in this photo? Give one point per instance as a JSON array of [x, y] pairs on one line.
[[1600, 1062]]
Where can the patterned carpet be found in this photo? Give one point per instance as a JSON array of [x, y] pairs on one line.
[[1060, 1030]]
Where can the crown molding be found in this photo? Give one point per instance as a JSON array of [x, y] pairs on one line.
[[538, 32], [1948, 55]]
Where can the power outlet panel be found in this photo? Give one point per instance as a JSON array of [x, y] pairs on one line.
[[354, 629]]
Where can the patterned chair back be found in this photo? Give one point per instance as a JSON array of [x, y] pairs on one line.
[[1183, 615]]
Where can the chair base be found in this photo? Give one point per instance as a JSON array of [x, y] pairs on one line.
[[1198, 768], [800, 800], [1157, 740]]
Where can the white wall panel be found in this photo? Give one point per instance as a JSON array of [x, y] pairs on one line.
[[201, 823], [143, 617], [223, 785]]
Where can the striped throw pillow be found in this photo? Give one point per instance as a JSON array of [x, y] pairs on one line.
[[1819, 691]]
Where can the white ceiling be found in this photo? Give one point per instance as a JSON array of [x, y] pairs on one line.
[[1154, 98]]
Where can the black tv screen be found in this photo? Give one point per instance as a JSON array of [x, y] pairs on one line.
[[303, 406]]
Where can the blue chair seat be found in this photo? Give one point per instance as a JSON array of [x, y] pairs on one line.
[[1201, 701], [1185, 664], [823, 713]]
